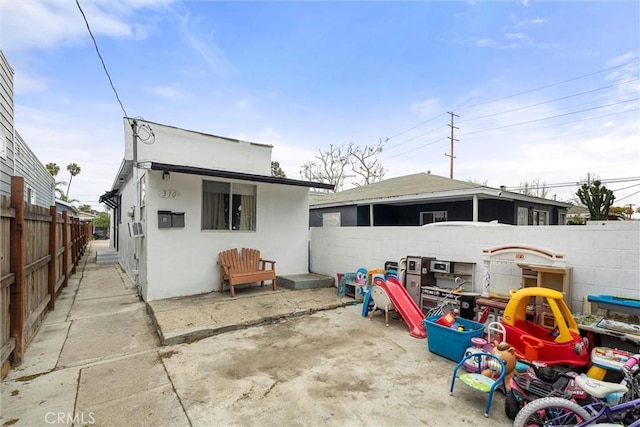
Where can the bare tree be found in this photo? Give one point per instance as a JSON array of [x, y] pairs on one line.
[[330, 166], [364, 163], [535, 188]]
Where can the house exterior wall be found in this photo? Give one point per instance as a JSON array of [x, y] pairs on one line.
[[188, 148], [348, 216], [170, 262], [183, 261], [605, 256], [503, 211], [6, 126], [36, 176]]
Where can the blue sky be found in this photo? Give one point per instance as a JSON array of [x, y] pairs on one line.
[[545, 91]]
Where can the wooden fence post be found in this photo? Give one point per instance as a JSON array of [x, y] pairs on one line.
[[65, 244], [52, 251], [18, 267], [74, 244]]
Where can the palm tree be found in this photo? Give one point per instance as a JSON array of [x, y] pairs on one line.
[[53, 168], [74, 170]]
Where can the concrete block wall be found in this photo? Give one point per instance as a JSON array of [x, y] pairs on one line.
[[605, 256]]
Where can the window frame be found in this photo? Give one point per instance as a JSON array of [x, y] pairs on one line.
[[536, 217], [232, 209], [522, 213], [436, 215]]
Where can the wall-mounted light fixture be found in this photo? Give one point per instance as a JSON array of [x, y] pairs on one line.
[[166, 175]]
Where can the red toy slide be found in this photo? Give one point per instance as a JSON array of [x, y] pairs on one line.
[[406, 306]]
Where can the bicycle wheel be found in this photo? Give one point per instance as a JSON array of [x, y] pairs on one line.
[[551, 411]]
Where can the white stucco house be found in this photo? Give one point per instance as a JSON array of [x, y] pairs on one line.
[[180, 197]]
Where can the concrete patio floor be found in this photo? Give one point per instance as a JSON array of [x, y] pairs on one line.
[[187, 319], [97, 360]]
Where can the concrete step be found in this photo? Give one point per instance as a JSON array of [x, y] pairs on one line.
[[108, 256], [305, 281]]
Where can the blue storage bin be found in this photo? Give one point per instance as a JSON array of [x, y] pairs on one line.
[[448, 342]]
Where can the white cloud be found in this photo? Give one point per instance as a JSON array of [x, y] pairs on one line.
[[167, 92], [485, 43], [55, 23], [623, 59], [268, 135], [539, 21], [202, 43], [531, 22], [517, 36], [242, 104], [426, 108], [25, 82]]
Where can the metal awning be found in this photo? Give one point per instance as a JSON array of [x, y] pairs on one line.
[[233, 175], [110, 198]]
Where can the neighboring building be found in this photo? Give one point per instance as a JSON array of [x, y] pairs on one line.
[[424, 198], [16, 158], [7, 130], [194, 195], [62, 206]]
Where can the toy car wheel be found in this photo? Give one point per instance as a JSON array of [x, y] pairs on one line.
[[511, 405]]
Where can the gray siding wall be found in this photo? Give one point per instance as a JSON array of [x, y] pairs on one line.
[[6, 125], [36, 176]]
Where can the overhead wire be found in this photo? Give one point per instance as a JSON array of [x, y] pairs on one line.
[[633, 110], [547, 86], [104, 66], [416, 126], [522, 93], [150, 136], [548, 118], [547, 102]]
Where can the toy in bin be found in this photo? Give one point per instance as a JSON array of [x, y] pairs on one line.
[[448, 341], [446, 320]]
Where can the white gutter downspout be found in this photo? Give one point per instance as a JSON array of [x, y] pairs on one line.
[[370, 215]]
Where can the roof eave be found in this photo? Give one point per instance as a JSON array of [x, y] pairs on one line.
[[192, 170]]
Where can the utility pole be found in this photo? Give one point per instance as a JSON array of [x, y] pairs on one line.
[[451, 156]]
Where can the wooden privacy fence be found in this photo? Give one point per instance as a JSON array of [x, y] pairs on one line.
[[40, 249]]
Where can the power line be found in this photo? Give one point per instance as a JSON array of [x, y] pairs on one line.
[[549, 101], [417, 148], [551, 117], [573, 183], [490, 136], [416, 126], [633, 110], [627, 196], [414, 138], [522, 93], [104, 66], [547, 86]]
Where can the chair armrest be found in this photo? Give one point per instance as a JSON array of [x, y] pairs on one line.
[[264, 261]]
